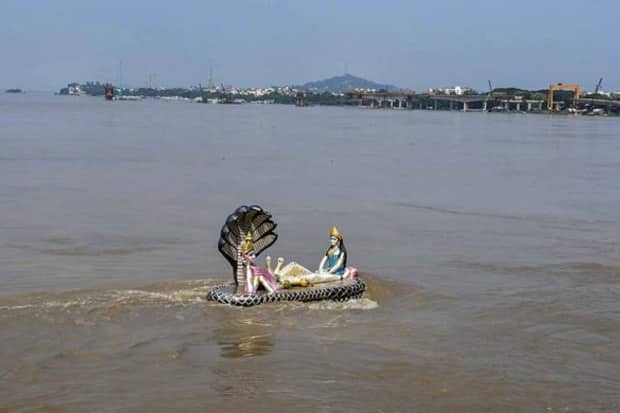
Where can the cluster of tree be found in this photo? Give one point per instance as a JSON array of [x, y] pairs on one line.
[[507, 92], [89, 88], [324, 98], [600, 96]]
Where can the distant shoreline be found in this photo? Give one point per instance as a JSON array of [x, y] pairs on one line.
[[498, 101], [513, 100]]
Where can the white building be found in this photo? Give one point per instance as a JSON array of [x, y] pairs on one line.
[[456, 90]]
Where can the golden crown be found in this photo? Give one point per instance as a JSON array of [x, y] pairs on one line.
[[335, 233]]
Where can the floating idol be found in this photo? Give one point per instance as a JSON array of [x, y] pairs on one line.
[[248, 232]]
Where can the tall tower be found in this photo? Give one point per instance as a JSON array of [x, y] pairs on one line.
[[120, 74], [210, 84]]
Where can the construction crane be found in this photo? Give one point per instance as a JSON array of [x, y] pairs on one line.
[[561, 86], [486, 100], [598, 86]]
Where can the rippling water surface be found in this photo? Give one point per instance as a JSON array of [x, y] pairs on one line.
[[490, 243]]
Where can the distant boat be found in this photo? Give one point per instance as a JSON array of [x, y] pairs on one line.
[[109, 92], [230, 101], [128, 97], [300, 99], [14, 91]]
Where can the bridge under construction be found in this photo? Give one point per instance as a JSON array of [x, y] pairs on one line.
[[496, 102]]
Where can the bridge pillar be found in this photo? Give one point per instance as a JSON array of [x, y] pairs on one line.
[[464, 106], [529, 106], [435, 104], [451, 105], [506, 106], [540, 106], [484, 106], [518, 107]]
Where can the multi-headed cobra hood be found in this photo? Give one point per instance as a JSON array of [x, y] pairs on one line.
[[246, 220]]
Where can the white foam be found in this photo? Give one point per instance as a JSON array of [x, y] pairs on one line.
[[356, 304]]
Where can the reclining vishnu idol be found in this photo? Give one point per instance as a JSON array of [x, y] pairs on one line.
[[248, 232]]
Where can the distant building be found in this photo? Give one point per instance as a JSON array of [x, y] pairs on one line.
[[75, 89], [456, 90], [600, 92]]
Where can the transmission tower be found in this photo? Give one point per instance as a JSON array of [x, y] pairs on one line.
[[210, 84]]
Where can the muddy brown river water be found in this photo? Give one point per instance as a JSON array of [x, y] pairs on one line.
[[490, 244]]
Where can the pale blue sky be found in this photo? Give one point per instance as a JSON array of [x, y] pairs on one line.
[[415, 44]]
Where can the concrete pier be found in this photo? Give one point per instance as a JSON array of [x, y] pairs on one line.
[[531, 102], [515, 104], [461, 100]]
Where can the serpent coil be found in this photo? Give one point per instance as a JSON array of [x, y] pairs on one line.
[[338, 291]]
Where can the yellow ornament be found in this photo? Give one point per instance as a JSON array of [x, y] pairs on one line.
[[248, 244], [335, 233]]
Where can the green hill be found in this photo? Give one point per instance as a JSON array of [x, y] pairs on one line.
[[344, 82]]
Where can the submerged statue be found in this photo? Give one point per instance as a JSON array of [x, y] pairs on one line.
[[250, 230]]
